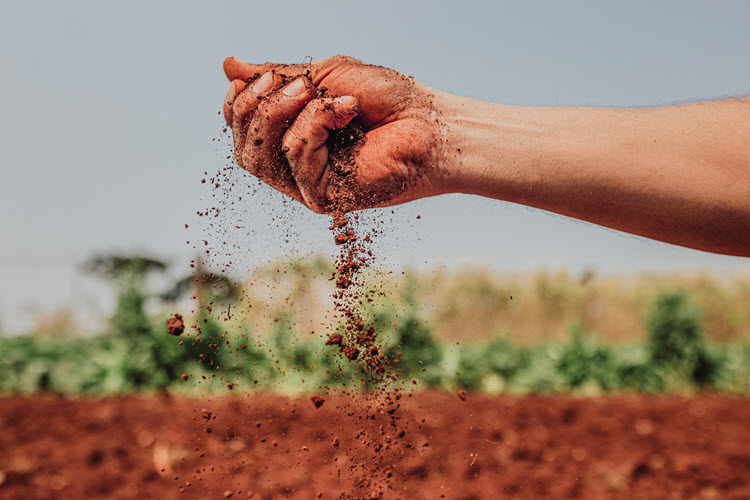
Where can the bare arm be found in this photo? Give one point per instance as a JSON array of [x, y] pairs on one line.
[[677, 174]]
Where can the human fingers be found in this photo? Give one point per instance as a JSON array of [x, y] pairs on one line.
[[248, 100], [261, 153], [235, 87], [237, 69], [304, 145]]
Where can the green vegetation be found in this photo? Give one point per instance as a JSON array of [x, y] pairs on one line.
[[138, 354]]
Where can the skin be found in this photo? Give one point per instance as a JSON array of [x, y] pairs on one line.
[[677, 174]]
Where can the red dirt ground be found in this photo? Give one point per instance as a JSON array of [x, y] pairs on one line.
[[267, 446]]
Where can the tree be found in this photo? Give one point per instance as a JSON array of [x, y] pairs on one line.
[[129, 274]]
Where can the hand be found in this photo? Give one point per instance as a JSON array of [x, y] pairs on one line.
[[282, 118]]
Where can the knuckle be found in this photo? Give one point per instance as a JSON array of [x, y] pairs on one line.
[[243, 104], [265, 107], [292, 145], [321, 108], [271, 110]]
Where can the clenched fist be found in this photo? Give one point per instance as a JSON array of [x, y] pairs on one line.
[[337, 132]]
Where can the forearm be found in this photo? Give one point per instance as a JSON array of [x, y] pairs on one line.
[[678, 174]]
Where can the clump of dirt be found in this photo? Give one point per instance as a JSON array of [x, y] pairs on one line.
[[317, 400], [175, 325], [461, 395]]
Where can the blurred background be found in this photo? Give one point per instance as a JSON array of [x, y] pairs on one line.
[[110, 120]]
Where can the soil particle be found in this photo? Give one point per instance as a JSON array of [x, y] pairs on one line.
[[461, 395], [351, 352], [340, 239], [334, 339], [175, 325], [343, 282], [317, 400], [185, 376]]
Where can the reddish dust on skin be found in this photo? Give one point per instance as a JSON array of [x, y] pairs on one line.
[[175, 326]]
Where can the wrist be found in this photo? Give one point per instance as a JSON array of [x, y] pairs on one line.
[[493, 150]]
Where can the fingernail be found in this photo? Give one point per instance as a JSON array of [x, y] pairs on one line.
[[264, 83], [346, 100], [230, 94], [295, 88]]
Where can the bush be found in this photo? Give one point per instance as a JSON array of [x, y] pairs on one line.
[[676, 343], [674, 356], [583, 360], [541, 373], [472, 367], [414, 351], [634, 370], [505, 359]]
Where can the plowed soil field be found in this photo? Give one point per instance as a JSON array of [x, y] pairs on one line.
[[430, 445]]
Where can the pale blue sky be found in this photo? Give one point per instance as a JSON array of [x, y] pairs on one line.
[[108, 111]]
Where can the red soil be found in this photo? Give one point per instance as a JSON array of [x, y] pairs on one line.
[[267, 446], [175, 326]]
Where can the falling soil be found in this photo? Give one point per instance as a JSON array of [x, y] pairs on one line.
[[356, 340], [353, 338], [382, 429], [274, 447], [175, 326]]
